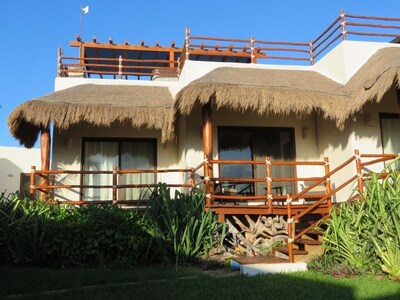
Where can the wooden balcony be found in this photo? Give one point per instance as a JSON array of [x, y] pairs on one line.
[[126, 61], [221, 194]]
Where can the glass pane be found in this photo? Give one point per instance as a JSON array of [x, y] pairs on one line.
[[278, 144], [236, 144], [390, 135], [137, 156], [99, 156]]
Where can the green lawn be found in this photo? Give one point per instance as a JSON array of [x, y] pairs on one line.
[[163, 282]]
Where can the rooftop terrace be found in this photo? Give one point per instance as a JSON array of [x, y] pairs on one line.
[[141, 61]]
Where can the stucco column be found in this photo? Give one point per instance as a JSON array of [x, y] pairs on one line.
[[207, 149]]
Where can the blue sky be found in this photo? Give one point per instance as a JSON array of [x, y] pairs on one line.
[[31, 31]]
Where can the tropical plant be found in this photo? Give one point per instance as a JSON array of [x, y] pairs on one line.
[[180, 227], [365, 234], [42, 234], [21, 233]]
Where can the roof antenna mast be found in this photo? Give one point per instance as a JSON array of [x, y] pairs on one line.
[[84, 11]]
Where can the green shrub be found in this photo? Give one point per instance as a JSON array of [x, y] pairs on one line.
[[365, 235], [21, 229], [95, 236], [42, 234], [180, 227]]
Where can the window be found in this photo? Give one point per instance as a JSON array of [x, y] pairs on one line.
[[255, 143], [390, 132], [104, 154]]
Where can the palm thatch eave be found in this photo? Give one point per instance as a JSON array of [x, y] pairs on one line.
[[141, 107]]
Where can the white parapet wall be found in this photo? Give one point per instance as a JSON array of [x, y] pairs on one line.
[[13, 162]]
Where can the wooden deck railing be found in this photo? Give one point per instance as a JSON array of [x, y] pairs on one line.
[[294, 205], [251, 50], [116, 68], [344, 27], [49, 185]]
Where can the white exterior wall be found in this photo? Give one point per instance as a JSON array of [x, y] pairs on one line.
[[362, 132], [13, 162]]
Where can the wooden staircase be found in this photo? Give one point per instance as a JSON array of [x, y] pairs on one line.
[[305, 246]]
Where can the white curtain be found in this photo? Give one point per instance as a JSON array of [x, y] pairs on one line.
[[99, 156], [390, 135], [137, 156]]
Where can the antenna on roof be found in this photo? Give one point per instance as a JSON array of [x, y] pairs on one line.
[[84, 11]]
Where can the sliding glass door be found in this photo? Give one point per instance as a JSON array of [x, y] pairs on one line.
[[104, 154], [390, 131], [255, 143]]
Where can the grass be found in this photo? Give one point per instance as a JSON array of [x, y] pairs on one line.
[[163, 282]]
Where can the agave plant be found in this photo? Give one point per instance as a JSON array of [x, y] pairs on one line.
[[179, 226]]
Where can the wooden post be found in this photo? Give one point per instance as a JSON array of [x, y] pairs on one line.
[[328, 187], [269, 183], [192, 179], [120, 67], [311, 52], [32, 183], [59, 63], [290, 228], [45, 142], [343, 24], [114, 184], [187, 42], [208, 150], [359, 172], [252, 51]]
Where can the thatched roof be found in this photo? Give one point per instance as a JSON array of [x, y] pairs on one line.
[[263, 91], [99, 105], [272, 91], [374, 78]]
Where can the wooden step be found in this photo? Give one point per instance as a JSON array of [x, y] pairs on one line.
[[307, 242], [285, 250], [312, 231]]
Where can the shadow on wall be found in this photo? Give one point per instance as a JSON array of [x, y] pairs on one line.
[[10, 175]]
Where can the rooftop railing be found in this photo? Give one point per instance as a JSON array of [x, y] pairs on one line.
[[252, 50]]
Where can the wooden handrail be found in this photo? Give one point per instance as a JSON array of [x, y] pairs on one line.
[[251, 48]]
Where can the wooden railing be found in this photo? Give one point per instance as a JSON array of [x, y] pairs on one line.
[[49, 185], [362, 175], [294, 205], [274, 194], [116, 68], [344, 27]]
